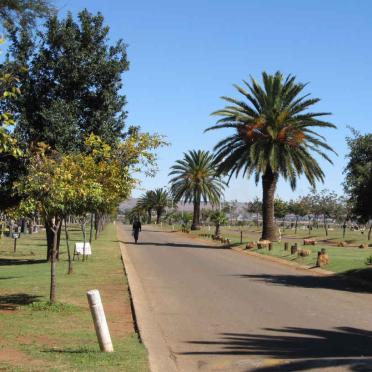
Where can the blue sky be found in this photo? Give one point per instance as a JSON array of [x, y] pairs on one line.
[[185, 54]]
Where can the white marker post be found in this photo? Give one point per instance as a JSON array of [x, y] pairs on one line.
[[99, 320]]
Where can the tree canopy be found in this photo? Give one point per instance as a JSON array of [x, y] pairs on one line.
[[275, 135], [70, 81], [358, 182]]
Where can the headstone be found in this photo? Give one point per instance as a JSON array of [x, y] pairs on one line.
[[79, 248]]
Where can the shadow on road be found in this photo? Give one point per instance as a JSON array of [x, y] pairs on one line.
[[304, 348], [12, 301], [175, 245], [336, 282]]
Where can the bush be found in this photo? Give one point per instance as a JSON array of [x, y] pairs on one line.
[[369, 260]]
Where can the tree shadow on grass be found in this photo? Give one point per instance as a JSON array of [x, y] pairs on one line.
[[12, 301], [80, 350], [16, 261], [9, 277], [336, 282], [300, 348]]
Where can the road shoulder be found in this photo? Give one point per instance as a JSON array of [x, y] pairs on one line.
[[160, 354]]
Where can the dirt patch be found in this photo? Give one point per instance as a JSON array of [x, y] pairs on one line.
[[40, 339], [17, 357], [117, 308]]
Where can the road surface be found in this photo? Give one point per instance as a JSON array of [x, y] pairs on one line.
[[220, 310]]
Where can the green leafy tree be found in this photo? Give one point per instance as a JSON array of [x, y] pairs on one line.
[[195, 180], [71, 83], [44, 189], [325, 204], [275, 135], [358, 181], [23, 13], [280, 208], [11, 162], [255, 206], [344, 212], [299, 208]]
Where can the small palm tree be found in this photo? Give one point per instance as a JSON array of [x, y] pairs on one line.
[[195, 180], [161, 201], [274, 135], [146, 203], [218, 218], [255, 206]]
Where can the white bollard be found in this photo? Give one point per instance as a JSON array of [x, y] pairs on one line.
[[99, 320]]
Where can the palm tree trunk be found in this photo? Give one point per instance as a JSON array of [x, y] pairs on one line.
[[158, 215], [196, 216], [269, 181], [149, 216], [217, 232]]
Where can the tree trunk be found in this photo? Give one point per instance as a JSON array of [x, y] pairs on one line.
[[196, 216], [58, 240], [158, 216], [344, 229], [96, 225], [296, 224], [269, 181], [53, 262], [370, 231], [91, 228], [23, 225], [149, 216], [325, 225], [69, 271], [217, 232], [257, 220], [83, 226], [31, 226], [49, 238]]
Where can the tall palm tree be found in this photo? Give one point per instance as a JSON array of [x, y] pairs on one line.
[[195, 181], [273, 136], [161, 201], [146, 203]]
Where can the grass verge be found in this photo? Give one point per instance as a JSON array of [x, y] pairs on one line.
[[37, 336]]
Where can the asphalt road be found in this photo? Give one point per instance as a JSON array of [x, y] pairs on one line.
[[220, 310]]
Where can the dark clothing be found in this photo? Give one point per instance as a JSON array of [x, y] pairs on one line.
[[137, 227]]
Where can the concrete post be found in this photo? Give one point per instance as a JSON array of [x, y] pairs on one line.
[[99, 320]]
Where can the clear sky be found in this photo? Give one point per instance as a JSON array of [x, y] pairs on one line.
[[185, 54]]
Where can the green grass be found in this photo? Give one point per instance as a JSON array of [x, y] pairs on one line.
[[46, 337], [342, 259]]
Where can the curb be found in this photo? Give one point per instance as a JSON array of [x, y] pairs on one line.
[[160, 356]]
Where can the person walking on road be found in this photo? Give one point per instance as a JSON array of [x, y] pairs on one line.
[[137, 227]]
